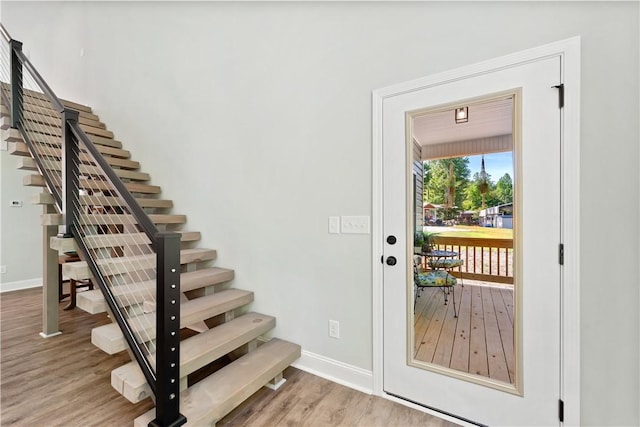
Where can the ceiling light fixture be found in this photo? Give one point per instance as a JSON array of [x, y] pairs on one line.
[[462, 115]]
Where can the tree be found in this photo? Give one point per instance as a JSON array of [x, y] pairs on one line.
[[437, 179], [504, 189], [473, 195]]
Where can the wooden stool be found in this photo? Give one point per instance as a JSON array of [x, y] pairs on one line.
[[73, 284]]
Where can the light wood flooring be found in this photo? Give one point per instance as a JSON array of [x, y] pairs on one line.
[[478, 341], [65, 381]]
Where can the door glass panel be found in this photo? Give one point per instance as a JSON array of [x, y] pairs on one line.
[[462, 293]]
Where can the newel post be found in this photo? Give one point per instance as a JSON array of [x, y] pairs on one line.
[[70, 172], [16, 83], [167, 246]]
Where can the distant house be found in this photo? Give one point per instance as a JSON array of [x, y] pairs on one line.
[[430, 211], [466, 217], [500, 216]]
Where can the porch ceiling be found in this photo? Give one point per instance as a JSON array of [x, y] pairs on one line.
[[486, 120]]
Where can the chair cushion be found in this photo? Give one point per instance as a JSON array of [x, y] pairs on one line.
[[445, 263], [435, 278]]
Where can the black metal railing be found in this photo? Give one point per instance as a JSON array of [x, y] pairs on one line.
[[124, 251]]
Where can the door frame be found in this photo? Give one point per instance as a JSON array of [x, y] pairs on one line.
[[569, 51]]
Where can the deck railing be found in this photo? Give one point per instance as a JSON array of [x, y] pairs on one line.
[[101, 213], [489, 260]]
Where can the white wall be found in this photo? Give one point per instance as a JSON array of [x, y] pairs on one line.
[[255, 118], [20, 231]]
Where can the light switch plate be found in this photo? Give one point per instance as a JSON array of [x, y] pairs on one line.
[[334, 225], [355, 224]]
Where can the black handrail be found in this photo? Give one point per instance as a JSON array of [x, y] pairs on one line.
[[36, 75], [164, 382], [5, 33], [40, 81], [141, 216], [147, 370]]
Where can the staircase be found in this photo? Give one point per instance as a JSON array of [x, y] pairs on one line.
[[214, 321]]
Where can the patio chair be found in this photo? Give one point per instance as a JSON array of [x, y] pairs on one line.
[[433, 279], [447, 264]]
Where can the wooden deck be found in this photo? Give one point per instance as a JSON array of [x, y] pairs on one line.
[[65, 381], [478, 341]]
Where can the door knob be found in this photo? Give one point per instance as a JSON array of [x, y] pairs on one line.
[[392, 260]]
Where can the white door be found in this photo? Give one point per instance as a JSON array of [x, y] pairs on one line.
[[539, 219]]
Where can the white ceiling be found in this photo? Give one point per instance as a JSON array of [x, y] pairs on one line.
[[485, 120]]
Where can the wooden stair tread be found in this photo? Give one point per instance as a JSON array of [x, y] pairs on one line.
[[51, 146], [41, 102], [55, 120], [85, 118], [34, 120], [109, 338], [37, 180], [46, 198], [18, 148], [94, 302], [196, 352], [28, 163], [126, 239], [208, 401], [44, 136], [32, 123], [120, 265], [31, 94], [110, 219], [95, 241], [113, 219]]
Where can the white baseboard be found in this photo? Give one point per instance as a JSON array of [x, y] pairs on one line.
[[338, 372], [21, 284]]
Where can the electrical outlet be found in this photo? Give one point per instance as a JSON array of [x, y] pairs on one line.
[[3, 269], [334, 329]]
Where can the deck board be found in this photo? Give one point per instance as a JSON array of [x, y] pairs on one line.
[[460, 351], [478, 341]]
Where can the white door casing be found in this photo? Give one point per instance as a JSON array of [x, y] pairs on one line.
[[543, 387]]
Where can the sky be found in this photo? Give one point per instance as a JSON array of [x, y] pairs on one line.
[[496, 165]]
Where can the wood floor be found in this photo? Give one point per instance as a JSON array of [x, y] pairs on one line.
[[65, 381], [478, 341]]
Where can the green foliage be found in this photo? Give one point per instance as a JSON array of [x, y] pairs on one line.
[[428, 240], [504, 189], [473, 200], [467, 191], [437, 180]]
